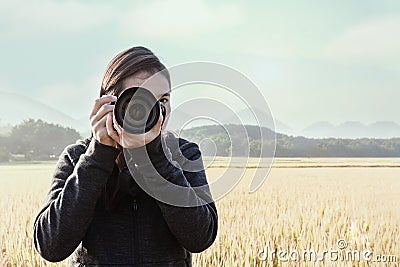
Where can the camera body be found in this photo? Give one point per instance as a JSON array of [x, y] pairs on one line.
[[137, 110]]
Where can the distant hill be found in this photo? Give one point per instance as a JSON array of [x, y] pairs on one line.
[[247, 116], [241, 142], [384, 129], [17, 108], [177, 119], [353, 129], [317, 129], [245, 140]]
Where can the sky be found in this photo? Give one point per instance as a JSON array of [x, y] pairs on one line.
[[313, 60]]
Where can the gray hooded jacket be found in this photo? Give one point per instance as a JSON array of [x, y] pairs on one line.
[[140, 230]]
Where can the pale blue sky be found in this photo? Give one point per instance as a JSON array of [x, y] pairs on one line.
[[313, 60]]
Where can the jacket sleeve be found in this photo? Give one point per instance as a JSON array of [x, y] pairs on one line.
[[69, 206], [195, 227]]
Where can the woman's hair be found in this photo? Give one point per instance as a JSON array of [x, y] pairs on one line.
[[127, 63]]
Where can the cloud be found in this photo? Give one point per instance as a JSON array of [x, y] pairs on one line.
[[22, 19], [375, 41], [179, 18]]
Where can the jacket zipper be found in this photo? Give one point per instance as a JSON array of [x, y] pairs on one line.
[[135, 207]]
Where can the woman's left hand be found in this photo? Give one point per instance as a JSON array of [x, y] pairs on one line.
[[128, 140]]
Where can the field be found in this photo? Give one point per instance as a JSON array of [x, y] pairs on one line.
[[304, 205]]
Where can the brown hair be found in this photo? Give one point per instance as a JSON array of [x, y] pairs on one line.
[[129, 62]]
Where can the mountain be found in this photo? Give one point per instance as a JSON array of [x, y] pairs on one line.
[[249, 117], [17, 108], [353, 129], [318, 129], [384, 129], [215, 113]]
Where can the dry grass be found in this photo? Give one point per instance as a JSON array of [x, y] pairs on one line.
[[296, 207]]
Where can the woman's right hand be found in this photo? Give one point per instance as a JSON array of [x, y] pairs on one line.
[[102, 111]]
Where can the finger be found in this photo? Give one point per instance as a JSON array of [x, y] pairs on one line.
[[101, 113], [111, 130], [99, 128], [117, 127], [99, 102], [100, 123]]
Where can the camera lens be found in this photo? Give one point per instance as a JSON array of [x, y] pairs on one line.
[[137, 110]]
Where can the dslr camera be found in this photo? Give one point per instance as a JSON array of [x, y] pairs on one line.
[[137, 110]]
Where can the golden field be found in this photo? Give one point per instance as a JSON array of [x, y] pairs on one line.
[[303, 204]]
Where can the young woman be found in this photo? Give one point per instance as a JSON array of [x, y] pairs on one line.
[[96, 211]]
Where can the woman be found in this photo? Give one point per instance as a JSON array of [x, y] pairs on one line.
[[96, 211]]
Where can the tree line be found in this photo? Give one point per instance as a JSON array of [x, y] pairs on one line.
[[35, 140], [253, 140], [38, 140]]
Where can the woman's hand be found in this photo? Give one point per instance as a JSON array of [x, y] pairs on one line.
[[98, 120], [127, 140]]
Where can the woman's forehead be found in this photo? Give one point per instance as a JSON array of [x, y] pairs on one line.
[[157, 84]]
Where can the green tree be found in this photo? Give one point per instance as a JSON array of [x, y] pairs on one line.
[[39, 140]]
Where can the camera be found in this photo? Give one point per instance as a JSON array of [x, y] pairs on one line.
[[137, 110]]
